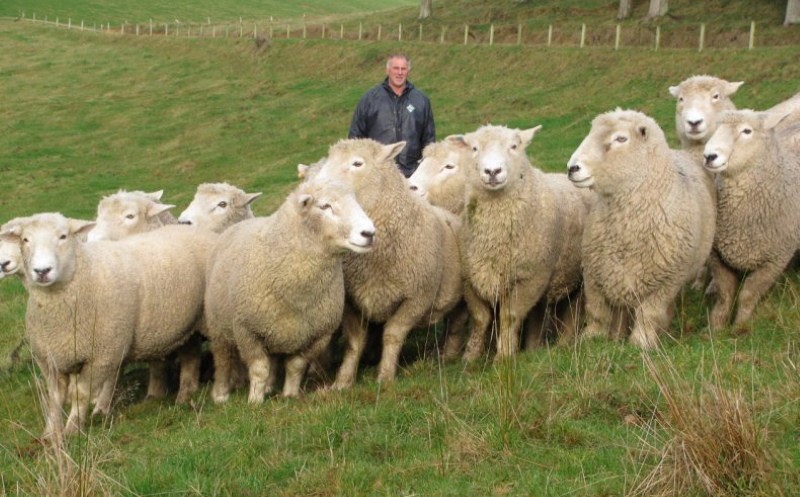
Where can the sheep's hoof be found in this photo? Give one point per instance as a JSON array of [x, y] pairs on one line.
[[219, 398]]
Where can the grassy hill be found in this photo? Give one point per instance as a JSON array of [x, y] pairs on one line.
[[85, 114]]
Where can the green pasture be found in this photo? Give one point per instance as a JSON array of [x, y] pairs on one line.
[[84, 114]]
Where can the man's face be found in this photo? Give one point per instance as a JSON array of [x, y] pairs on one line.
[[397, 71]]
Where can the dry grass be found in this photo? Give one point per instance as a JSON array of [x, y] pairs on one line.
[[706, 441]]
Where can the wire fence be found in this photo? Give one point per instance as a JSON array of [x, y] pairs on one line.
[[699, 36]]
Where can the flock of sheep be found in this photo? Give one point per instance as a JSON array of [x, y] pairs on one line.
[[477, 238]]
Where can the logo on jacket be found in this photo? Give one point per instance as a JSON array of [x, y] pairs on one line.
[[410, 108]]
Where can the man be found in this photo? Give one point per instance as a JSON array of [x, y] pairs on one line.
[[396, 111]]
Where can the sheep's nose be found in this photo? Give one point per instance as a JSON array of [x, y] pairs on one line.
[[573, 168], [492, 172], [4, 265], [696, 123], [43, 271], [188, 223], [710, 158], [414, 188], [369, 236]]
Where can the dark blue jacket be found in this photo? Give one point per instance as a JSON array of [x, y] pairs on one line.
[[388, 118]]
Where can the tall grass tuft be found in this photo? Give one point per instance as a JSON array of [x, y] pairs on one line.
[[706, 441]]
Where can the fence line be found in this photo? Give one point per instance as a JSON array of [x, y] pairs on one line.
[[615, 36]]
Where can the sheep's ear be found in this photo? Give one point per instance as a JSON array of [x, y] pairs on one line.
[[302, 170], [389, 152], [773, 119], [730, 88], [155, 209], [642, 130], [304, 200], [674, 91], [528, 134], [156, 196], [80, 227], [11, 231], [458, 141], [248, 198]]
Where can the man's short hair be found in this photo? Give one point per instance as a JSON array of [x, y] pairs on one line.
[[398, 56]]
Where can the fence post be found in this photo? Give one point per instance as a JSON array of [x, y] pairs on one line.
[[400, 32], [305, 31], [287, 30], [752, 42], [255, 30], [519, 34], [379, 32], [658, 37], [360, 30], [420, 32], [466, 33], [166, 29], [81, 24], [69, 23], [491, 34], [616, 41], [549, 35], [341, 31], [702, 36], [441, 37], [137, 29], [56, 21], [583, 34], [151, 27], [214, 31], [34, 17]]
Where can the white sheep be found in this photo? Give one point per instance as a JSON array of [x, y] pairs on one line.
[[218, 205], [92, 306], [411, 278], [520, 236], [758, 220], [650, 230], [440, 177], [700, 100], [10, 253], [126, 213], [276, 286]]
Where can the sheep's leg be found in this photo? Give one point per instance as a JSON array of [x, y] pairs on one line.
[[224, 353], [755, 286], [650, 317], [106, 394], [297, 365], [92, 378], [189, 356], [354, 331], [456, 327], [514, 307], [157, 383], [569, 317], [56, 385], [395, 332], [535, 326], [599, 315], [481, 313], [726, 280]]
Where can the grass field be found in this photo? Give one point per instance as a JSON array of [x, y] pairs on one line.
[[85, 114]]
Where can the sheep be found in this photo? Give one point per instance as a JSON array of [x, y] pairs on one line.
[[650, 230], [126, 213], [411, 278], [218, 205], [92, 306], [276, 286], [518, 243], [10, 253], [758, 226], [440, 177]]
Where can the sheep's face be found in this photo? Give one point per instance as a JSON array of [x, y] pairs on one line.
[[10, 257], [700, 100], [332, 210], [498, 154], [441, 170], [48, 244], [615, 150], [358, 162], [738, 141], [127, 213], [218, 205]]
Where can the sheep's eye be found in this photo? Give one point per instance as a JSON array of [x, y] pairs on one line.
[[449, 166], [24, 240], [747, 131], [715, 97], [514, 146], [326, 207], [474, 149], [358, 163], [680, 99], [222, 204], [129, 216], [62, 237], [621, 139]]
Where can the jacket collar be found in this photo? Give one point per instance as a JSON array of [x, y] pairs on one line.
[[388, 88]]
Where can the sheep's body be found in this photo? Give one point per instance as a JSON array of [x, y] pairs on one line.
[[521, 229], [410, 279], [216, 206], [94, 305], [650, 230], [758, 225], [126, 213], [440, 178], [276, 285]]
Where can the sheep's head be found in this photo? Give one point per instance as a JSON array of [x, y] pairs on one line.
[[218, 205], [700, 100], [330, 209], [616, 151], [498, 154], [48, 245], [440, 176], [362, 163], [742, 139], [127, 213], [10, 253]]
